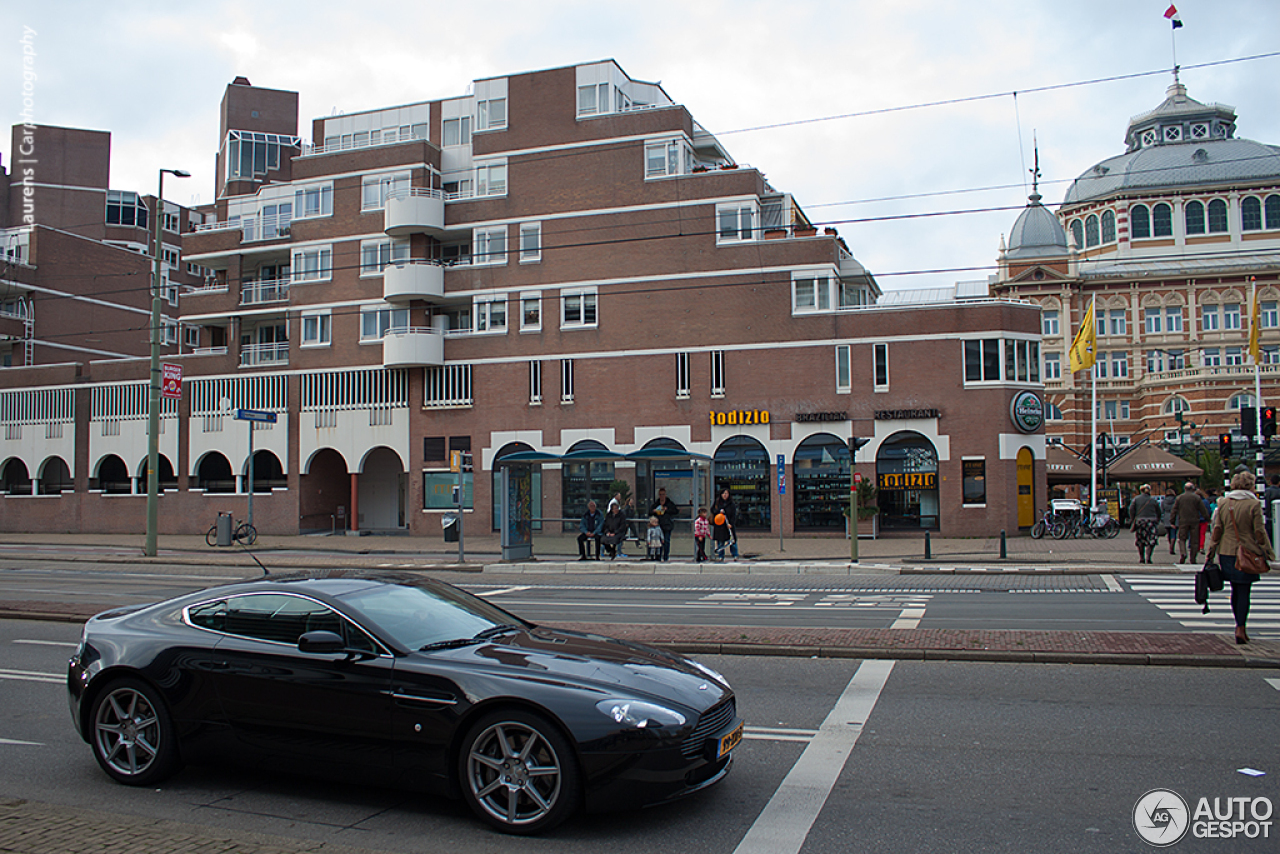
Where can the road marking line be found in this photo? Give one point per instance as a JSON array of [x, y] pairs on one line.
[[1112, 585], [1274, 683], [17, 741], [48, 643], [30, 676], [506, 590], [785, 822]]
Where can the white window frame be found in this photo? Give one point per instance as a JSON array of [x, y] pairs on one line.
[[530, 242], [1270, 312], [1049, 323], [1173, 318], [377, 255], [531, 300], [385, 318], [491, 114], [190, 335], [491, 178], [719, 382], [1231, 318], [489, 246], [582, 302], [667, 157], [810, 293], [447, 385], [1120, 365], [1233, 356], [490, 314], [1211, 357], [593, 99], [535, 382], [1209, 318], [317, 329], [376, 189], [737, 222], [1052, 366], [313, 200], [879, 356], [566, 380], [683, 376], [460, 127], [311, 264], [844, 369], [1117, 322], [1153, 321]]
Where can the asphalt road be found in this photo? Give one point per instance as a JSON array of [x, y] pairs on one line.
[[841, 756]]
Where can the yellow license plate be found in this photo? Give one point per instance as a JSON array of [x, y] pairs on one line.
[[729, 742]]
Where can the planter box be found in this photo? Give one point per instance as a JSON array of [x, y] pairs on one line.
[[775, 233], [806, 232]]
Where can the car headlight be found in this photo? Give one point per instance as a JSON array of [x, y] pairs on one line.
[[639, 714], [707, 671]]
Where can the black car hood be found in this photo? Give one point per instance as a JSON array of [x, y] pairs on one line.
[[606, 664]]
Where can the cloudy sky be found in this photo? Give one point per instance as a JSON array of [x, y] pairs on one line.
[[811, 93]]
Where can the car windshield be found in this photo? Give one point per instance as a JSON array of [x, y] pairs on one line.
[[417, 617]]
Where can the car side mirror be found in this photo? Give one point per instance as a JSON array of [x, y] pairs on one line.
[[321, 642]]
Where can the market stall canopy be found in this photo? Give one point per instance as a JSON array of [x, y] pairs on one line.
[[1061, 465], [1151, 463]]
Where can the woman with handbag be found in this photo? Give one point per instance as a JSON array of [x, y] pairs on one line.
[[1144, 519], [1240, 539]]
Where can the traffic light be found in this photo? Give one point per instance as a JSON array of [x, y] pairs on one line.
[[1248, 422], [1268, 421], [1224, 445]]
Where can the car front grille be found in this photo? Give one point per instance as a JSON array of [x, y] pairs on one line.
[[713, 720]]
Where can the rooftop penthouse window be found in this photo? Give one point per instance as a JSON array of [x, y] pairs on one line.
[[251, 155]]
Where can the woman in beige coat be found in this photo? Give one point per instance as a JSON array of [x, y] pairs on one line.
[[1238, 523]]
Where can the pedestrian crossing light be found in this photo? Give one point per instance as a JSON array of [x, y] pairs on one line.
[[1268, 421], [1224, 445]]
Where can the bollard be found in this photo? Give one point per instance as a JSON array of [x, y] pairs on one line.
[[1004, 546], [928, 550]]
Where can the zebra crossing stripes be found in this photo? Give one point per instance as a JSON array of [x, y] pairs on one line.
[[1175, 596]]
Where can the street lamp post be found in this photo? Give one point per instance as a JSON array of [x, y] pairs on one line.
[[153, 404]]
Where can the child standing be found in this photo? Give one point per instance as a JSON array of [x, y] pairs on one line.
[[701, 533], [655, 539]]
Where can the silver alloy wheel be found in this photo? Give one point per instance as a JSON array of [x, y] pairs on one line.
[[127, 731], [514, 773]]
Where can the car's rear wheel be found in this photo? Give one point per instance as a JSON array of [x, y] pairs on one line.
[[518, 772], [133, 735]]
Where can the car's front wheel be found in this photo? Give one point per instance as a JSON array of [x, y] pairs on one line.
[[518, 772], [133, 735]]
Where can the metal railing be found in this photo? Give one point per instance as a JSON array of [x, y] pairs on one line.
[[254, 355], [263, 291]]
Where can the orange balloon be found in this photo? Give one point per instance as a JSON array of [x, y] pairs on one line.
[[720, 519]]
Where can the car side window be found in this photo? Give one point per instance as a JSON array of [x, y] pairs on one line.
[[277, 617]]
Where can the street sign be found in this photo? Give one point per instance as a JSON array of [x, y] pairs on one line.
[[257, 415], [782, 474], [171, 381]]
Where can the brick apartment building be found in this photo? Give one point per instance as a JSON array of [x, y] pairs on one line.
[[563, 262], [1170, 237]]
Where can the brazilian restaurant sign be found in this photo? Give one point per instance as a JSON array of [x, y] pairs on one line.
[[906, 414], [739, 416], [1027, 411], [908, 480]]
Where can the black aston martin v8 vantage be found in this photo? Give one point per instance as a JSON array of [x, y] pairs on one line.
[[409, 679]]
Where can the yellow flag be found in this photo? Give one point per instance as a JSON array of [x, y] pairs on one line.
[[1255, 324], [1085, 344]]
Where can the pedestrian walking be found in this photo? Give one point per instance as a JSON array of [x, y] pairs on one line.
[[1144, 519], [1189, 511], [1167, 518], [1239, 527]]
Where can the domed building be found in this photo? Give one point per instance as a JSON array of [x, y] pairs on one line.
[[1170, 237]]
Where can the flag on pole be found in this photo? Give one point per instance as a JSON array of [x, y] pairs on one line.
[[1172, 14], [1085, 344], [1255, 324]]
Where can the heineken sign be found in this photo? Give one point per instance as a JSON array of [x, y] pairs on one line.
[[1027, 411]]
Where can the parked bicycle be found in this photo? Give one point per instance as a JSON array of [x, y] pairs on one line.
[[243, 533], [1097, 524]]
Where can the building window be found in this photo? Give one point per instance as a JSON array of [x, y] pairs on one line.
[[566, 380], [844, 369], [1240, 401], [1269, 314], [1208, 318], [1052, 412], [456, 131], [447, 385], [1272, 212], [718, 384], [1108, 227], [1100, 367], [1210, 357], [851, 295], [1139, 222], [530, 312], [251, 154], [670, 157], [317, 330], [1217, 216], [1091, 230], [530, 242], [491, 114], [535, 381], [191, 336], [981, 361], [377, 322], [1113, 410], [1049, 322], [1155, 361], [376, 189], [1231, 315], [974, 472], [1053, 366], [682, 375], [578, 309], [1234, 356], [316, 200], [1117, 323], [1162, 220], [489, 245], [1193, 213], [735, 222], [593, 99], [377, 255], [1271, 355], [125, 209], [1151, 318], [491, 314], [491, 179], [1119, 365], [811, 294], [312, 265], [1077, 233], [1250, 214], [1173, 319], [170, 331], [880, 366], [1176, 359], [1174, 405]]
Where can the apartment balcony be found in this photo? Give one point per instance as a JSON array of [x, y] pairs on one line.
[[264, 291], [420, 211], [413, 280], [415, 346], [264, 355]]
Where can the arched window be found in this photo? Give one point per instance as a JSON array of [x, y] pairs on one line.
[[1273, 212], [1108, 227], [1139, 222], [1077, 233], [821, 471], [1240, 401], [1162, 220], [535, 492], [1091, 230], [1052, 412], [1217, 216], [1194, 215], [1250, 213], [1174, 405]]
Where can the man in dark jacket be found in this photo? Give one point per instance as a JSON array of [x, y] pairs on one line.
[[1272, 493], [1189, 512], [591, 526], [615, 530], [666, 510]]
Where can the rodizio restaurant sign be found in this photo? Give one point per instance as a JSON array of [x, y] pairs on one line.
[[908, 480]]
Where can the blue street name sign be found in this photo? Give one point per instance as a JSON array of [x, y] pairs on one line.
[[256, 415]]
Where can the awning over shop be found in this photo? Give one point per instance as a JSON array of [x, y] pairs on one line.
[[588, 455], [1151, 463], [1061, 466]]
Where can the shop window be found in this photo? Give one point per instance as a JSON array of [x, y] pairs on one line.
[[821, 476], [907, 482], [741, 465], [584, 481], [438, 486], [974, 473]]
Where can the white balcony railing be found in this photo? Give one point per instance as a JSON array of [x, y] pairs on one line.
[[419, 210], [412, 346], [256, 355], [413, 280], [264, 291], [252, 228]]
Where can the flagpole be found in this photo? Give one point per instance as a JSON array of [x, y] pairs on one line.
[[1093, 413]]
